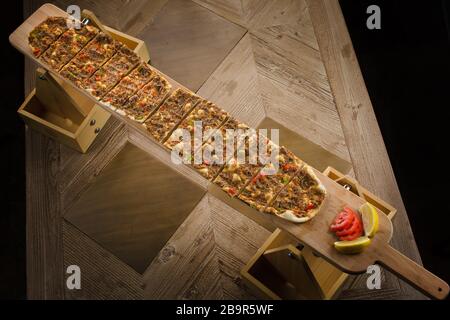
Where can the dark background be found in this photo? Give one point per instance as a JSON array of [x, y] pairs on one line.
[[406, 67]]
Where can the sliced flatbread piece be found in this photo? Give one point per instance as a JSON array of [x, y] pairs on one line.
[[170, 113], [228, 137], [142, 104], [105, 78], [45, 34], [211, 161], [301, 199], [244, 165], [210, 118], [214, 154], [67, 46], [128, 86], [260, 191], [90, 58]]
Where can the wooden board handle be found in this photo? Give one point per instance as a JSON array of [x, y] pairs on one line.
[[414, 274]]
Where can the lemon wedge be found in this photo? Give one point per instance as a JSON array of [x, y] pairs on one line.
[[354, 246], [370, 219]]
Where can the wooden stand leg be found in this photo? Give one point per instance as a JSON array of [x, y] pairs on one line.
[[282, 270], [61, 113]]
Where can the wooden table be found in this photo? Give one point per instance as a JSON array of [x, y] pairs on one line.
[[292, 61]]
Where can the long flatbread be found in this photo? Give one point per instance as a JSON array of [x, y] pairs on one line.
[[109, 70]]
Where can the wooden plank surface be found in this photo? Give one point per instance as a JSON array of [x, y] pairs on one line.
[[227, 86], [103, 275], [44, 230], [125, 208], [188, 41]]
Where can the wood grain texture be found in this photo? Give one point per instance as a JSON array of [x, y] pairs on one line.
[[188, 41], [234, 85], [103, 275], [237, 238], [186, 254], [277, 69], [205, 255], [362, 134], [129, 208], [295, 89], [255, 14], [80, 170], [43, 232]]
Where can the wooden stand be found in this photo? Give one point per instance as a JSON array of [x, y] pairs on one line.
[[284, 269], [60, 112]]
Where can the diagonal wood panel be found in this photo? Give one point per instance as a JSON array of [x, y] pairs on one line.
[[287, 76], [129, 208], [237, 239], [234, 85], [103, 275], [181, 262], [188, 41], [203, 258]]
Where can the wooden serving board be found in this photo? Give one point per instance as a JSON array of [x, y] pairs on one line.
[[314, 233]]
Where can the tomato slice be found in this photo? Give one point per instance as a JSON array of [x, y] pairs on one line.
[[343, 223], [341, 216], [350, 237], [349, 210], [354, 227], [347, 225]]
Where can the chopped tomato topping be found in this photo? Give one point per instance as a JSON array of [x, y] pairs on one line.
[[259, 176], [289, 167], [232, 191]]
